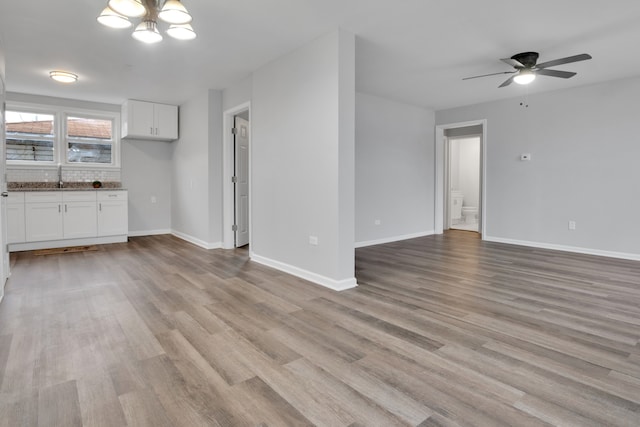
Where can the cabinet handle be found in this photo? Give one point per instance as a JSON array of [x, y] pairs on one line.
[[100, 207], [151, 130], [156, 131], [59, 209], [65, 208]]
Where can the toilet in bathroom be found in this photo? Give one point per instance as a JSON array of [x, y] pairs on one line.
[[456, 206], [470, 214]]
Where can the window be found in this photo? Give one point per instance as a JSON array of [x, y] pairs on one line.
[[30, 136], [42, 134], [89, 140]]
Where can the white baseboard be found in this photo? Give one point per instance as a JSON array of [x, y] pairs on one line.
[[196, 241], [575, 249], [149, 232], [336, 285], [393, 239]]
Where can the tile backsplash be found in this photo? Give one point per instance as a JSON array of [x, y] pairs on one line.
[[18, 174]]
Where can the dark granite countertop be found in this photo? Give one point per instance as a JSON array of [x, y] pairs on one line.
[[68, 186]]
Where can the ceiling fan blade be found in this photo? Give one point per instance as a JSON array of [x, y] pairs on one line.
[[507, 82], [512, 62], [487, 75], [567, 60], [556, 73]]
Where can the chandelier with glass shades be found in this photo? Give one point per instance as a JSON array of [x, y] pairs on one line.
[[118, 12]]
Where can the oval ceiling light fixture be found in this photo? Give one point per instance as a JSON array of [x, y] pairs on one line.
[[130, 8], [112, 19], [182, 32], [63, 76], [173, 12], [524, 77], [147, 32]]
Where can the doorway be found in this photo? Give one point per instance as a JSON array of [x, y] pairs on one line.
[[464, 182], [241, 179], [443, 191], [236, 170]]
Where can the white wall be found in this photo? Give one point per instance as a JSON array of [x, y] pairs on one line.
[[237, 94], [146, 173], [215, 168], [302, 161], [585, 148], [394, 170], [190, 178]]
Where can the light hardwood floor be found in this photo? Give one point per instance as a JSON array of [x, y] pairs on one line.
[[442, 331]]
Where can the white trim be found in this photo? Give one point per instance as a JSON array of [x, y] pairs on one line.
[[149, 232], [196, 241], [574, 249], [440, 182], [227, 173], [394, 239], [336, 285]]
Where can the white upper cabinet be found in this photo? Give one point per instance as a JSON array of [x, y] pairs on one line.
[[147, 120]]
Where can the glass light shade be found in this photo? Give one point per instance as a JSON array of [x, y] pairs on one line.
[[524, 77], [173, 12], [147, 32], [181, 32], [130, 8], [112, 19], [63, 76]]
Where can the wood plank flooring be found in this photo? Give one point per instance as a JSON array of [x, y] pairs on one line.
[[442, 331]]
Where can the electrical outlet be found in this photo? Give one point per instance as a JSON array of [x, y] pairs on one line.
[[572, 225], [313, 240], [377, 222]]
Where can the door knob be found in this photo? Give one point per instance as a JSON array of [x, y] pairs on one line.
[[4, 194]]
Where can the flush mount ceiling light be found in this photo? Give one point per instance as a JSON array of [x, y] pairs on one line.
[[524, 77], [173, 12], [63, 76]]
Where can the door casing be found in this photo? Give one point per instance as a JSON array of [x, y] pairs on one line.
[[442, 170], [228, 208]]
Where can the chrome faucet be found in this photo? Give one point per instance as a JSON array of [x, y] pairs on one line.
[[60, 182]]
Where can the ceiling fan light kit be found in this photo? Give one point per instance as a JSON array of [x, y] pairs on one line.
[[524, 77], [173, 12], [527, 68], [63, 76]]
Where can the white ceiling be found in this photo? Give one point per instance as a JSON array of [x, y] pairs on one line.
[[415, 51]]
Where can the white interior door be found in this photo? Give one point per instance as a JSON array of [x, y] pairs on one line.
[[241, 186], [4, 254]]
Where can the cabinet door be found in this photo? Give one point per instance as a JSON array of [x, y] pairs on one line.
[[166, 121], [80, 220], [43, 221], [140, 118], [113, 218], [15, 223]]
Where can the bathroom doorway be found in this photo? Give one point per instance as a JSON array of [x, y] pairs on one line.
[[445, 183], [464, 182]]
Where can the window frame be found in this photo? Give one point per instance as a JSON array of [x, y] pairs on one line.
[[60, 140]]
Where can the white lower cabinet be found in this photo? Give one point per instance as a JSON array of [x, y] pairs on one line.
[[43, 216], [42, 219], [113, 216], [79, 215], [16, 232]]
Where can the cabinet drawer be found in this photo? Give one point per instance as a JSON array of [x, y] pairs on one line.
[[79, 196], [111, 195], [15, 198], [43, 196]]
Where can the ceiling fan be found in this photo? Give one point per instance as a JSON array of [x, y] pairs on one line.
[[526, 68]]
